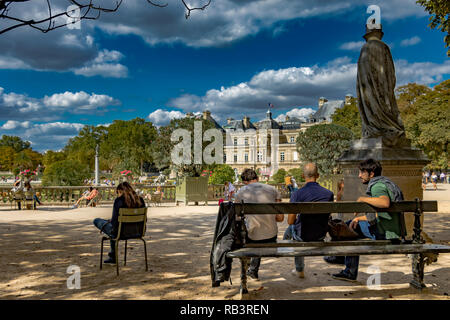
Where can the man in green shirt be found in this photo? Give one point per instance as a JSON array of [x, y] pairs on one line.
[[380, 226]]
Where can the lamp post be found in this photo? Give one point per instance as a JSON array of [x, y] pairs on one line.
[[96, 166]]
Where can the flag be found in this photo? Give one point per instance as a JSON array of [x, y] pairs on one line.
[[270, 105]]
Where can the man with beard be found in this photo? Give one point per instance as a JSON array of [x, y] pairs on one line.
[[377, 226]]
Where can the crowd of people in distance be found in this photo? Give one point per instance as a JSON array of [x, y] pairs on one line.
[[434, 177]]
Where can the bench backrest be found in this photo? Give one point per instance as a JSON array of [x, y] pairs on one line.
[[331, 207], [417, 206], [132, 222]]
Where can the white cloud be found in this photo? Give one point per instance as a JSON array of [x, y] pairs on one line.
[[353, 46], [162, 117], [295, 86], [11, 125], [301, 113], [15, 106], [104, 65], [410, 42], [43, 136], [225, 21]]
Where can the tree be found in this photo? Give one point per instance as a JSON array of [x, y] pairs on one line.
[[7, 155], [162, 146], [297, 173], [278, 177], [15, 142], [323, 144], [65, 173], [439, 11], [78, 10], [52, 157], [82, 147], [221, 174], [407, 95], [128, 143], [427, 123], [348, 116]]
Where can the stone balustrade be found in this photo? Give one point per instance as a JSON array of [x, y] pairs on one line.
[[59, 195]]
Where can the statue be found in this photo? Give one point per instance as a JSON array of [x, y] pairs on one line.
[[375, 88]]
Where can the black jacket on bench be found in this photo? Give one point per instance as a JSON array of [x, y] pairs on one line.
[[226, 238]]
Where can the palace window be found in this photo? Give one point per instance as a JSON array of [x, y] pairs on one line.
[[292, 139], [295, 156], [246, 141], [259, 158], [235, 158], [282, 156], [235, 141], [246, 157]]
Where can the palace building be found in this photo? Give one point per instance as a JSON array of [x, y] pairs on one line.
[[268, 145]]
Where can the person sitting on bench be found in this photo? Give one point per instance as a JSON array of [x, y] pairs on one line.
[[260, 228], [308, 227], [382, 226], [126, 198]]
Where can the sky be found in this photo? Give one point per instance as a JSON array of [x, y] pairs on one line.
[[233, 59]]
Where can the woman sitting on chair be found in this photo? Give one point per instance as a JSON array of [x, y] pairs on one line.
[[126, 198], [28, 189]]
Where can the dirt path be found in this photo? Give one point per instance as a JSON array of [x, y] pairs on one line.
[[37, 247]]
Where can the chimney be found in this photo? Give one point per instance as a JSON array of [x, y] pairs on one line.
[[246, 122], [322, 101], [229, 120], [348, 99], [206, 115]]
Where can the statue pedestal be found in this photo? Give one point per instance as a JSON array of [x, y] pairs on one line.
[[403, 165]]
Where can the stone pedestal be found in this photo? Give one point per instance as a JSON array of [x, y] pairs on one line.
[[403, 165]]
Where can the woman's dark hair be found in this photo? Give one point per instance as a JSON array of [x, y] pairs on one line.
[[249, 175], [371, 165], [132, 200], [27, 185], [90, 188]]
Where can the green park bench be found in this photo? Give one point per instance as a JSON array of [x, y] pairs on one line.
[[287, 248]]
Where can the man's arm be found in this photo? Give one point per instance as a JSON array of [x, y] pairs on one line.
[[279, 217], [379, 202], [291, 218]]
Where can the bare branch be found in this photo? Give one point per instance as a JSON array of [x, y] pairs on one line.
[[188, 13], [89, 11]]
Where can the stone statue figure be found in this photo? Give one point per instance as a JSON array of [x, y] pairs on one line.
[[375, 88]]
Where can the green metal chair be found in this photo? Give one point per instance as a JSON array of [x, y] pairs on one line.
[[29, 200], [132, 225]]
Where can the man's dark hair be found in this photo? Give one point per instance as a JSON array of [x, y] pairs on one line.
[[90, 188], [249, 175], [371, 165]]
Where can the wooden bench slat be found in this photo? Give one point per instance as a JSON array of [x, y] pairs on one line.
[[339, 250], [329, 207], [293, 243]]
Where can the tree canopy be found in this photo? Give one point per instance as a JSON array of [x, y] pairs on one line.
[[439, 11], [348, 116], [65, 173], [427, 120], [221, 174], [14, 142], [323, 144], [163, 146]]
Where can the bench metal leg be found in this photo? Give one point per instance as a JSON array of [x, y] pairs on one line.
[[244, 266], [101, 255], [418, 263], [125, 257]]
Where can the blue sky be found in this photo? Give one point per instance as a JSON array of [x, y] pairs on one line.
[[232, 59]]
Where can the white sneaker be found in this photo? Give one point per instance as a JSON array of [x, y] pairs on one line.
[[74, 206], [299, 274]]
